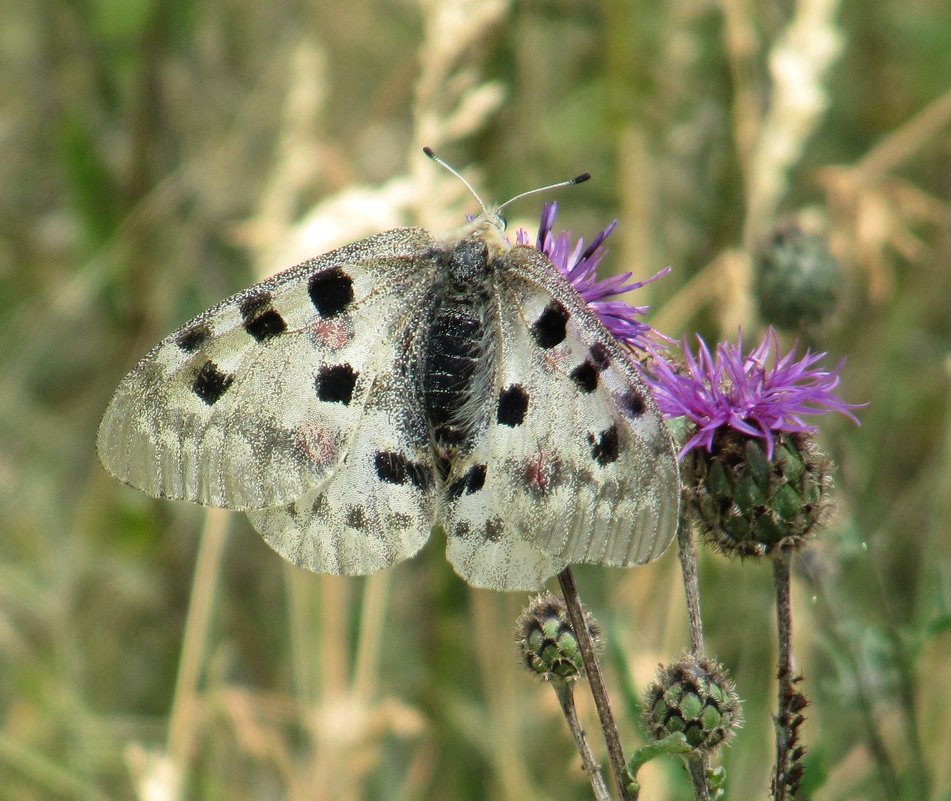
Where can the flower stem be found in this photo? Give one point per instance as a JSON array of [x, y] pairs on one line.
[[697, 768], [787, 772], [595, 680], [687, 553], [565, 692]]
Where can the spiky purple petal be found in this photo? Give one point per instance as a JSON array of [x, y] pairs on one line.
[[760, 394]]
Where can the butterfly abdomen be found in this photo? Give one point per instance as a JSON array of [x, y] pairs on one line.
[[458, 357]]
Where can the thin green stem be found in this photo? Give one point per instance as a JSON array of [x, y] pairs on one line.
[[784, 778], [697, 766]]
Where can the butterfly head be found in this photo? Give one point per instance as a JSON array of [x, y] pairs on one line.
[[489, 226]]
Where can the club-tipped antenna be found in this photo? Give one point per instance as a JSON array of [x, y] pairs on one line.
[[578, 179], [431, 154]]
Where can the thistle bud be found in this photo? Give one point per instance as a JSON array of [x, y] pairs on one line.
[[796, 279], [693, 696], [547, 641]]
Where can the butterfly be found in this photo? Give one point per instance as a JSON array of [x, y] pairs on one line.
[[354, 402]]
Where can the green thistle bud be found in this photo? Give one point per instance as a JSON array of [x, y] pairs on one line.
[[796, 279], [693, 696], [547, 641], [746, 504]]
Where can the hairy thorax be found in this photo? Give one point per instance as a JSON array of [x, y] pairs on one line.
[[458, 354]]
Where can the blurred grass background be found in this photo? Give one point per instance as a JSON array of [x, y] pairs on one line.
[[158, 156]]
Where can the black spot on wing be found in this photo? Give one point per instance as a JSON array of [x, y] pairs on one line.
[[210, 383], [513, 403], [472, 481], [331, 291], [600, 356], [585, 376], [266, 325], [335, 384], [259, 319], [549, 329], [394, 468], [191, 339], [633, 403], [606, 446]]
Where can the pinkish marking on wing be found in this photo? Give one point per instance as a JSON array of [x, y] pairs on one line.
[[317, 443], [539, 472], [332, 334]]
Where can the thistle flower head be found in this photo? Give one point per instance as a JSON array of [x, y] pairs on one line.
[[578, 264], [754, 480], [760, 394]]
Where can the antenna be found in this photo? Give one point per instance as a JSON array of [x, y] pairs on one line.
[[578, 179], [431, 154]]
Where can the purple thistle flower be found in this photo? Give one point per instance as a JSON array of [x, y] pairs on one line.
[[579, 265], [744, 393]]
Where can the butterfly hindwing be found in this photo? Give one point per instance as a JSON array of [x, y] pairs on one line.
[[377, 506], [576, 464], [253, 402]]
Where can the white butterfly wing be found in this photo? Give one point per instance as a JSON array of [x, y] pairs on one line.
[[254, 402], [377, 506], [576, 464]]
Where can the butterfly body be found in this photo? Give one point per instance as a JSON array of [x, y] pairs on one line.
[[458, 352], [354, 402]]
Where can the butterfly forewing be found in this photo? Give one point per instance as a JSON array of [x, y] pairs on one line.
[[254, 401], [576, 465]]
